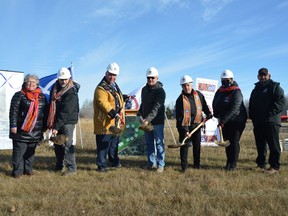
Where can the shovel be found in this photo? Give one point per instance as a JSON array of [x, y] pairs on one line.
[[116, 129], [187, 137], [148, 128], [59, 139], [222, 143]]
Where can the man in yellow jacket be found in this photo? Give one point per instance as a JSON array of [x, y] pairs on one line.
[[108, 113]]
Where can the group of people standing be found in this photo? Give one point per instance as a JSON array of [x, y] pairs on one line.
[[267, 101], [31, 115]]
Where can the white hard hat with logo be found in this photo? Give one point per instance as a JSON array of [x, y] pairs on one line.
[[227, 74], [63, 73], [186, 79], [152, 72], [113, 68]]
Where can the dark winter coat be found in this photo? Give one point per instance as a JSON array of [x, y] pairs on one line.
[[228, 107], [67, 108], [18, 109], [152, 104], [267, 101], [180, 110]]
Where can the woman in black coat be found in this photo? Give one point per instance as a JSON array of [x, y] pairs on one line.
[[229, 108], [27, 123]]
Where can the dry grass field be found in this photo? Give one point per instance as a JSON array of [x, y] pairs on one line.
[[132, 190]]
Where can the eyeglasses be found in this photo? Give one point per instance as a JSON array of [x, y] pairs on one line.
[[150, 78], [111, 74]]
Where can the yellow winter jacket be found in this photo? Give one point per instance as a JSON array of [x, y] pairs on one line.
[[103, 103]]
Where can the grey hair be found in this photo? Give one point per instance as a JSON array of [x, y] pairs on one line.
[[33, 76]]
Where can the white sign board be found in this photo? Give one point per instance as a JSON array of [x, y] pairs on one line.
[[10, 82], [208, 88]]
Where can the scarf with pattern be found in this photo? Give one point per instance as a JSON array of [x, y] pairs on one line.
[[32, 114], [56, 96], [187, 109]]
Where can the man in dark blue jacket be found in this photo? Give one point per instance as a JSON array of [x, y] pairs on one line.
[[267, 101]]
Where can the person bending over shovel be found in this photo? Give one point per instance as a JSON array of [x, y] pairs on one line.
[[229, 108], [189, 107]]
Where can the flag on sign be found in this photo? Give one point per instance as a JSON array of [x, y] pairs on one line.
[[135, 102]]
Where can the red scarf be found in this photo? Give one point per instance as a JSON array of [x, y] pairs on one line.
[[32, 114], [56, 96], [231, 88]]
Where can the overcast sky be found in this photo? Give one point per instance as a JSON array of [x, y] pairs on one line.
[[200, 38]]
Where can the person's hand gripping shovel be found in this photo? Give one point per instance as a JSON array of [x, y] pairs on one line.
[[189, 135], [221, 142], [116, 130]]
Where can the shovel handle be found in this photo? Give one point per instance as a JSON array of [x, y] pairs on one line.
[[221, 134], [193, 131]]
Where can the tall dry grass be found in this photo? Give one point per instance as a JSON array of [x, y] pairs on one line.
[[131, 190]]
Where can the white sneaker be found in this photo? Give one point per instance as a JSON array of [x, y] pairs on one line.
[[160, 169]]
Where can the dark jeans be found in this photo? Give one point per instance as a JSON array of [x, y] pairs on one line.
[[23, 157], [232, 132], [268, 134], [107, 144], [196, 143], [65, 154]]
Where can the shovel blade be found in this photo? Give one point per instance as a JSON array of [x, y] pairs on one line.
[[115, 130], [222, 144]]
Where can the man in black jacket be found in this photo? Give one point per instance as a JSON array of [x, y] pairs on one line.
[[152, 110], [63, 115], [267, 101]]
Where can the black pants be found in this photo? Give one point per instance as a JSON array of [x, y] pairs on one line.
[[196, 143], [23, 157], [232, 132], [268, 135], [65, 154]]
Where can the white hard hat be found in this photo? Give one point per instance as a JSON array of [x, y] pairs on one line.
[[186, 79], [152, 72], [227, 74], [113, 68], [63, 73]]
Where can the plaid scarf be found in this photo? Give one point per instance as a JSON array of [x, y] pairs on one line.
[[117, 94], [56, 96], [187, 109], [32, 114]]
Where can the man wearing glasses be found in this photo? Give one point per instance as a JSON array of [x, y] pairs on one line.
[[108, 112], [152, 111], [266, 103]]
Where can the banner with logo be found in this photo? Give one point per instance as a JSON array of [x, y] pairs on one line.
[[210, 133], [132, 139], [10, 82]]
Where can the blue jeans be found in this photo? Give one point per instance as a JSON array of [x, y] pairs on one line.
[[107, 144], [155, 146]]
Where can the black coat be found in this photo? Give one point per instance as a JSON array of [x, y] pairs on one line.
[[180, 110], [67, 108], [152, 104], [229, 107], [18, 109], [266, 103]]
